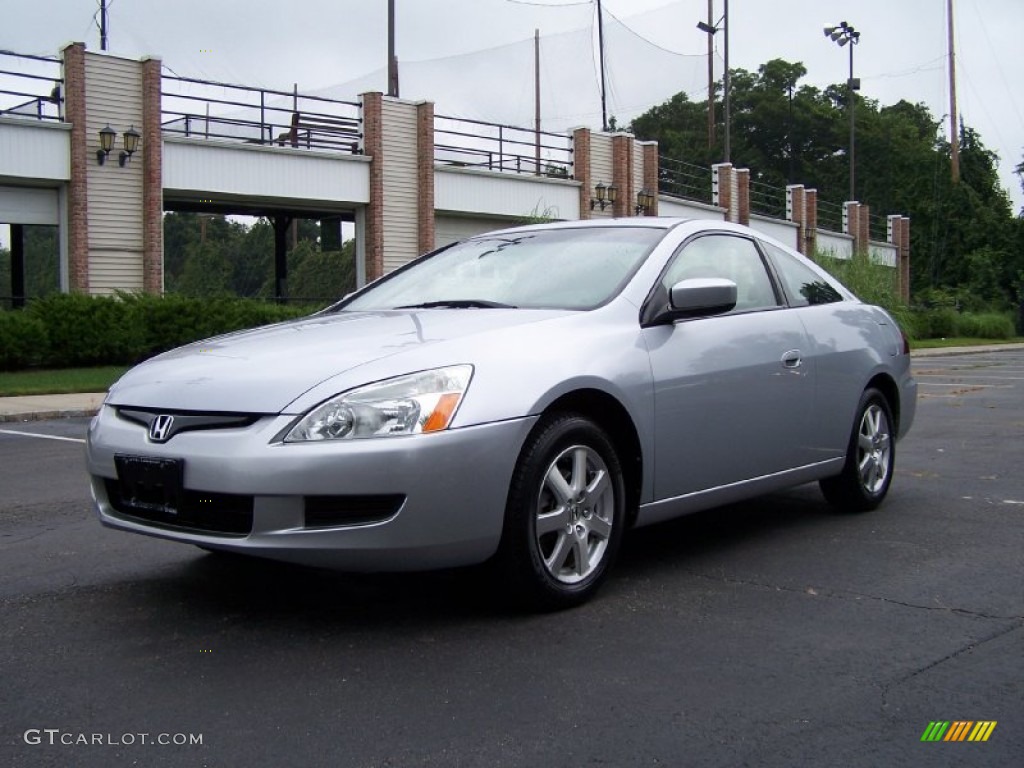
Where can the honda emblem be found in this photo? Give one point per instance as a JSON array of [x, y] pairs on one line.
[[160, 429]]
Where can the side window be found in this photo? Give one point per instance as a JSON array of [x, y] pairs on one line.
[[802, 284], [734, 258]]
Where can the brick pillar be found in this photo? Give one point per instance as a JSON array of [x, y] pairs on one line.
[[852, 225], [622, 175], [152, 180], [373, 146], [905, 258], [78, 205], [810, 222], [797, 213], [865, 227], [650, 152], [425, 175], [743, 196], [722, 187], [581, 167]]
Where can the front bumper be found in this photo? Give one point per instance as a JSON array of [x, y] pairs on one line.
[[452, 488]]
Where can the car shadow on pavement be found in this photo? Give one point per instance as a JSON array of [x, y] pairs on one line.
[[220, 585]]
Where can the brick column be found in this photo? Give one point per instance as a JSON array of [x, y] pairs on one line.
[[797, 213], [425, 219], [865, 227], [78, 205], [622, 175], [721, 187], [743, 196], [852, 224], [650, 151], [373, 146], [152, 180], [811, 222], [904, 255], [581, 167]]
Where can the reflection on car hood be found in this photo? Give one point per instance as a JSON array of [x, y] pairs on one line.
[[263, 370]]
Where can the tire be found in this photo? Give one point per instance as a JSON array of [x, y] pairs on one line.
[[870, 458], [564, 517]]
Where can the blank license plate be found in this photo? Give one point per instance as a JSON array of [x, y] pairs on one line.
[[150, 483]]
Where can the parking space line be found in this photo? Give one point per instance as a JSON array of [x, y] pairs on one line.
[[40, 436]]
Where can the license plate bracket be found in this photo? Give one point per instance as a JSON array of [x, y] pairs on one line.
[[151, 484]]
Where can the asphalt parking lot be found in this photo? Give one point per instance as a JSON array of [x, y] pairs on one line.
[[769, 633]]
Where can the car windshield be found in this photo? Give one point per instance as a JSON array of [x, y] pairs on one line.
[[579, 268]]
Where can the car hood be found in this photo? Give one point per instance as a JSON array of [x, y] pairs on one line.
[[264, 369]]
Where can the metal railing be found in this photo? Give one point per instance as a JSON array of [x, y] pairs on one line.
[[878, 228], [31, 86], [830, 216], [495, 147], [767, 200], [684, 180], [211, 110]]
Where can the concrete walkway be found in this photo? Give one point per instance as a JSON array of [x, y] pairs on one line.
[[39, 407]]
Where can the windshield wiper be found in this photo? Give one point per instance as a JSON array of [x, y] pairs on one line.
[[459, 304]]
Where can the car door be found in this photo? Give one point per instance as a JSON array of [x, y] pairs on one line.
[[731, 391]]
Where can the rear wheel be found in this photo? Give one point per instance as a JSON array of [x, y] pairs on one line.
[[870, 458], [565, 514]]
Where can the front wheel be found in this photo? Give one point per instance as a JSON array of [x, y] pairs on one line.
[[564, 516], [870, 458]]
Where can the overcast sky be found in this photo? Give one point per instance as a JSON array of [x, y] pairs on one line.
[[473, 58]]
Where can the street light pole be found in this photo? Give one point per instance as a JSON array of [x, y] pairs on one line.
[[842, 35]]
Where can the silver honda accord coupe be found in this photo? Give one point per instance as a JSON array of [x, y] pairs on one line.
[[523, 398]]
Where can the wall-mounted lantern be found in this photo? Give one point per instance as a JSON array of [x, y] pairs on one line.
[[604, 196], [107, 137]]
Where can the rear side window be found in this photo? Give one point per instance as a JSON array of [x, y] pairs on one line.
[[803, 286]]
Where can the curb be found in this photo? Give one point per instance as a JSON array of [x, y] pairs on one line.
[[948, 351], [67, 413]]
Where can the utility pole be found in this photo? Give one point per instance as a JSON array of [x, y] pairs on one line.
[[711, 76], [392, 61], [103, 25], [600, 52], [536, 97], [954, 131], [727, 82]]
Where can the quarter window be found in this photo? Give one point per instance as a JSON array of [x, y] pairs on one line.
[[802, 284]]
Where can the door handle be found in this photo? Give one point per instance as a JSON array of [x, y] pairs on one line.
[[792, 359]]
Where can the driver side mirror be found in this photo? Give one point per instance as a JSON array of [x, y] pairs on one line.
[[697, 297]]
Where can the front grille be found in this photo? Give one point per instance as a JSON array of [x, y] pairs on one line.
[[332, 511], [224, 514]]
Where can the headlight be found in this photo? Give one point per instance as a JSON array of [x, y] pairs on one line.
[[405, 405]]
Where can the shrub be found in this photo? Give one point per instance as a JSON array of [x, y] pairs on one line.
[[68, 330], [22, 340], [987, 325], [87, 330]]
